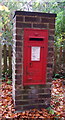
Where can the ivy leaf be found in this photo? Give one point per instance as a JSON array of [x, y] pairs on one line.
[[9, 82], [52, 111]]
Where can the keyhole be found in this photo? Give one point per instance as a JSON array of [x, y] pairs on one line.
[[30, 64]]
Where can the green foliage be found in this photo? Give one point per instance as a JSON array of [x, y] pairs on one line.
[[5, 23], [60, 75], [50, 110], [60, 25], [10, 6], [9, 82], [3, 78], [6, 73]]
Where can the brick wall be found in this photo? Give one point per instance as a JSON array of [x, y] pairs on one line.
[[34, 96]]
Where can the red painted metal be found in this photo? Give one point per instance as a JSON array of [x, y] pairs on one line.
[[35, 56]]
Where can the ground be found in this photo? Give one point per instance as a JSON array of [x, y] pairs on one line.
[[7, 108]]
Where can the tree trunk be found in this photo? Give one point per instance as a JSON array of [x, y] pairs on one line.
[[60, 58], [0, 62], [10, 60], [0, 55], [55, 60], [5, 58], [64, 56]]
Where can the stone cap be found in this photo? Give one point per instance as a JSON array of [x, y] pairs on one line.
[[35, 14]]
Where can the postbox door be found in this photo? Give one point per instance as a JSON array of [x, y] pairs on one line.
[[34, 62]]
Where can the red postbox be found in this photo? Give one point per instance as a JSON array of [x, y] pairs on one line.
[[35, 56]]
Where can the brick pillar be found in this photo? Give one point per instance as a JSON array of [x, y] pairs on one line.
[[31, 96]]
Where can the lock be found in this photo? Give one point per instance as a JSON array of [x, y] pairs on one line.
[[30, 64]]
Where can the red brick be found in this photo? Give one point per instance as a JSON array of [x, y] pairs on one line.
[[32, 19], [50, 65], [41, 90], [23, 25], [45, 95], [49, 79], [19, 18], [51, 26], [40, 25], [18, 80], [21, 92], [50, 54], [18, 71], [18, 43], [18, 48], [28, 107], [50, 43], [18, 97], [25, 97], [18, 107], [19, 31], [18, 66], [21, 102], [18, 55], [50, 49], [50, 59], [18, 92], [51, 38], [49, 74], [18, 60], [47, 90], [19, 37], [51, 32], [45, 20], [52, 20]]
